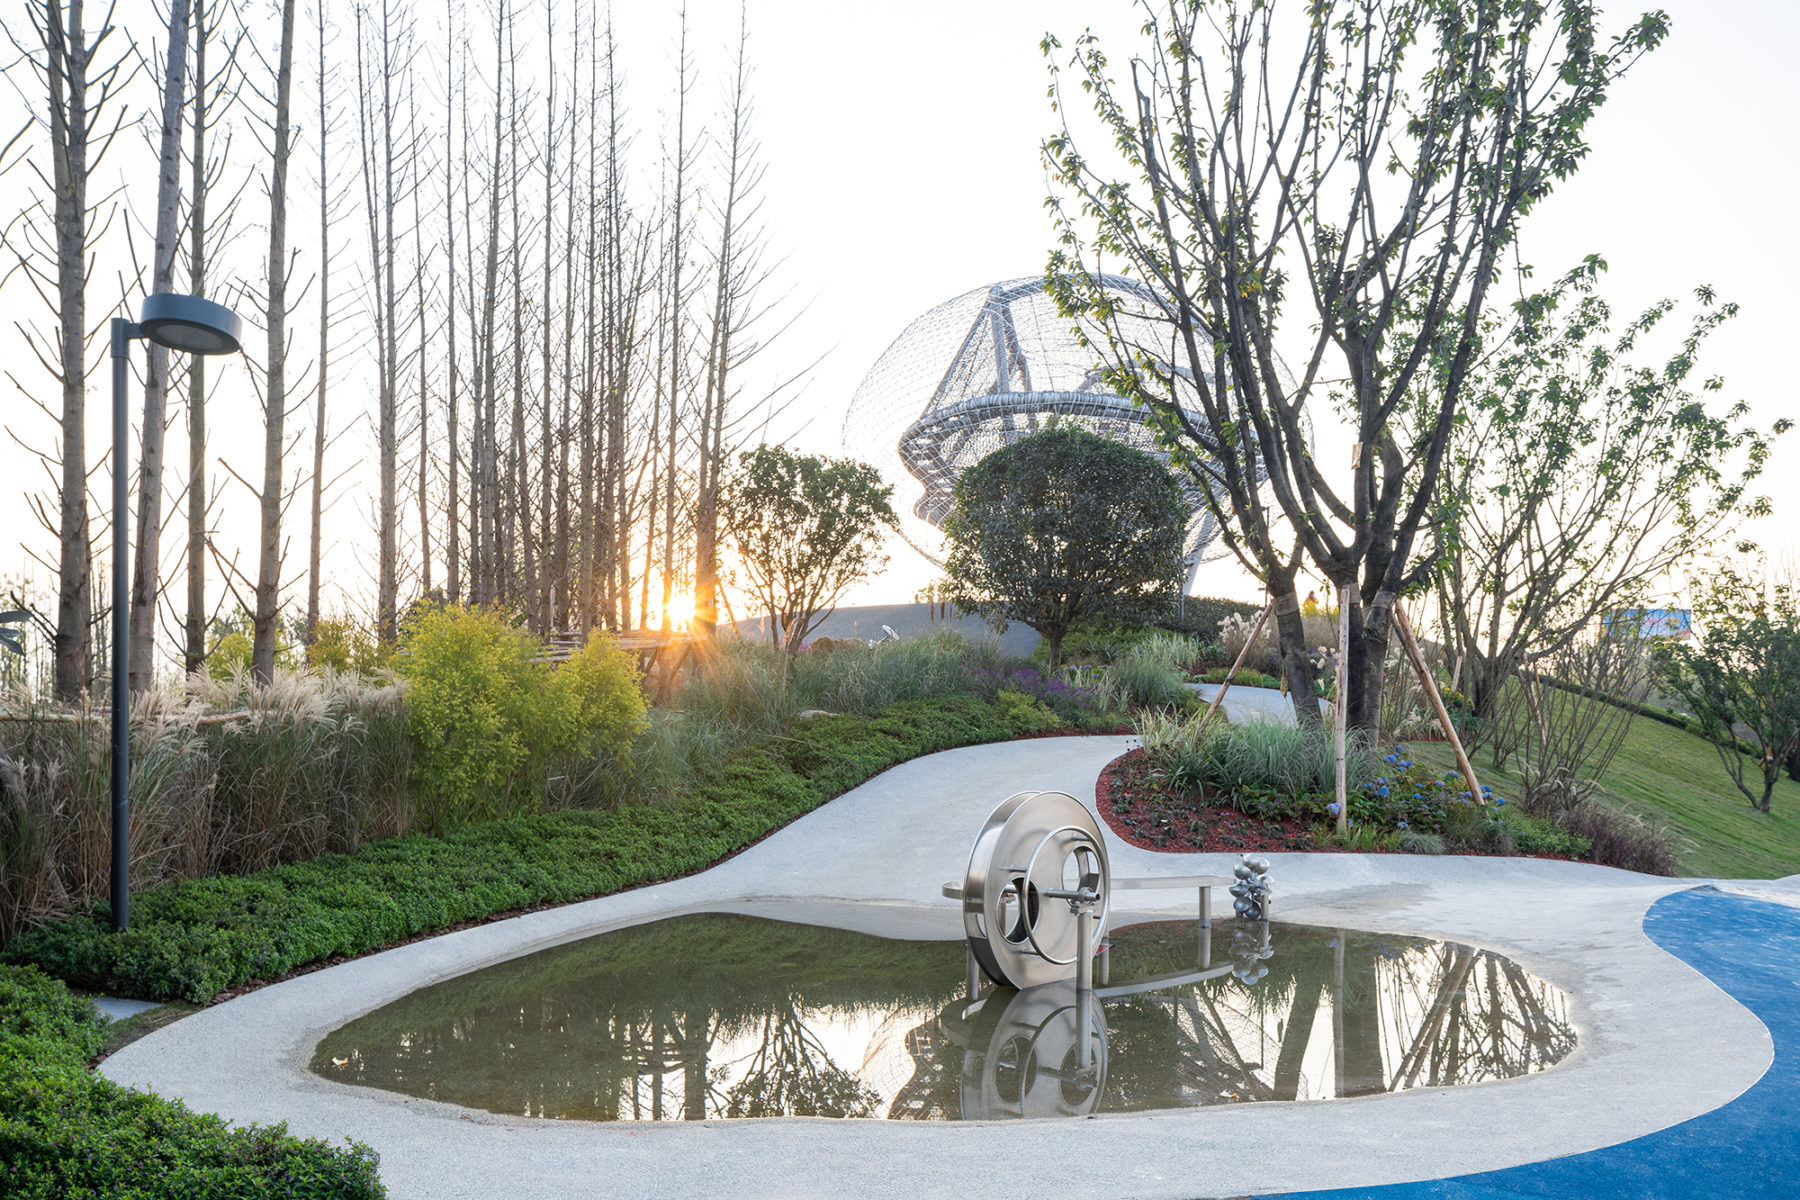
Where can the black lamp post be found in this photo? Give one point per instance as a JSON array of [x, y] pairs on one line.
[[196, 326]]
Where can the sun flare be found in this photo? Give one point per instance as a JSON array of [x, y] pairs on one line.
[[681, 610]]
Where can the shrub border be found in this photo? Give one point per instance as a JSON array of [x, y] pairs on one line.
[[67, 1131], [197, 939]]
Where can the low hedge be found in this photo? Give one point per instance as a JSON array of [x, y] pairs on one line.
[[193, 939], [67, 1132]]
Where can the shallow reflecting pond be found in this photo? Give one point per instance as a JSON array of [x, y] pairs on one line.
[[708, 1016]]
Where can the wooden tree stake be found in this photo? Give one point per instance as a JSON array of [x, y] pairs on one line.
[[1341, 710], [1244, 653], [1437, 702]]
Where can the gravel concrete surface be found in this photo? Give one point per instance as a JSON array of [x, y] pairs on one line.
[[1659, 1044]]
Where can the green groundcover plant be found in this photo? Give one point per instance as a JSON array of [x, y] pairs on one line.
[[67, 1132], [193, 939]]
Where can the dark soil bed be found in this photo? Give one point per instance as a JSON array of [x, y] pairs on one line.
[[1147, 813]]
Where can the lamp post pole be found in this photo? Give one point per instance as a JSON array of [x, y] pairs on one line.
[[192, 325], [124, 332]]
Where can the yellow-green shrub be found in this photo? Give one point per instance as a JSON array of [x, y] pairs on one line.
[[487, 721], [343, 645], [599, 687], [473, 706]]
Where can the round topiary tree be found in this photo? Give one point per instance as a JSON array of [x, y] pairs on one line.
[[1064, 527]]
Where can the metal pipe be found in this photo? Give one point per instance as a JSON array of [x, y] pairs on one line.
[[1084, 985], [123, 333]]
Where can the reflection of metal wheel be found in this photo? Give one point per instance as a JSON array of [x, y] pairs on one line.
[[1034, 842], [1023, 1056]]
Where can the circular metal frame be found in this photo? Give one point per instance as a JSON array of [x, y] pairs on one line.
[[1083, 839], [1006, 854]]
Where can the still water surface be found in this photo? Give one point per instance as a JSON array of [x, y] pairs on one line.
[[710, 1016]]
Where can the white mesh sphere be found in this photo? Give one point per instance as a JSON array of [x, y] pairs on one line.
[[982, 371]]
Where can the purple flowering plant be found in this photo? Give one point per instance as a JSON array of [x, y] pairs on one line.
[[1068, 701]]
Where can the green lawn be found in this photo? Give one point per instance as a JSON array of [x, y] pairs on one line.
[[1675, 779]]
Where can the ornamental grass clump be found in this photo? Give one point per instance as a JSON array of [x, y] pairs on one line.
[[227, 775]]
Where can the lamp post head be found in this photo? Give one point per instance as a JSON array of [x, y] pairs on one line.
[[191, 324]]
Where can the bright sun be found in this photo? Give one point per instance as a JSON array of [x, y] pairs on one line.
[[681, 610]]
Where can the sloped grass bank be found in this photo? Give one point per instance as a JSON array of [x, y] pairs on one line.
[[1673, 778], [194, 939], [67, 1132]]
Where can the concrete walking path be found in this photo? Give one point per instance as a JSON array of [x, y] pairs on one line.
[[1659, 1043]]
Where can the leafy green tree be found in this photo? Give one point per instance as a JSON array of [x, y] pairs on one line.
[[1064, 527], [1348, 175], [1578, 477], [805, 529], [1742, 674]]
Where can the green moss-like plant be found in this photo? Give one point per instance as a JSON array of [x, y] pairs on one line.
[[66, 1132]]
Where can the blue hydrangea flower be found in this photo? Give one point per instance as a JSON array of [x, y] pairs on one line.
[[1332, 808], [1383, 792], [1403, 825]]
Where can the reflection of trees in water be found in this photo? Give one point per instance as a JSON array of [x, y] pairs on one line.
[[711, 1016], [1359, 1015], [790, 1074]]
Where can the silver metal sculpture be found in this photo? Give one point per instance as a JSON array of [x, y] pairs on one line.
[[1039, 848], [984, 370], [1035, 903], [1036, 848], [1252, 889]]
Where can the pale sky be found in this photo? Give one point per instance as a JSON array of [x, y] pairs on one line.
[[902, 152]]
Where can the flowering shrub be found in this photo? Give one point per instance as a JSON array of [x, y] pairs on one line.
[[1410, 796], [1068, 701]]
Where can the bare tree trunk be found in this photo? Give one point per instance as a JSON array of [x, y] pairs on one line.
[[543, 591], [67, 59], [202, 229], [487, 486], [677, 310], [419, 264], [379, 189], [517, 538], [146, 573], [268, 573], [589, 518], [728, 290], [453, 496], [315, 539]]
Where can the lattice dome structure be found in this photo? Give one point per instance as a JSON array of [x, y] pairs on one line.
[[980, 372]]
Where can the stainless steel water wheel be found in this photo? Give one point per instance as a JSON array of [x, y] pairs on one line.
[[1032, 844]]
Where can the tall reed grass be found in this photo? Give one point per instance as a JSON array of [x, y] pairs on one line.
[[226, 777], [1152, 673], [743, 691]]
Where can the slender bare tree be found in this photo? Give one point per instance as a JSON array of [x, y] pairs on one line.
[[81, 81], [147, 566], [275, 389]]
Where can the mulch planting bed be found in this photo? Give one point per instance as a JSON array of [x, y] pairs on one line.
[[1148, 814]]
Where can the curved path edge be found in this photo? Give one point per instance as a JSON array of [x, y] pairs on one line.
[[1660, 1044]]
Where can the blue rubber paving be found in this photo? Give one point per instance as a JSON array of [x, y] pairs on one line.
[[1749, 1148]]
